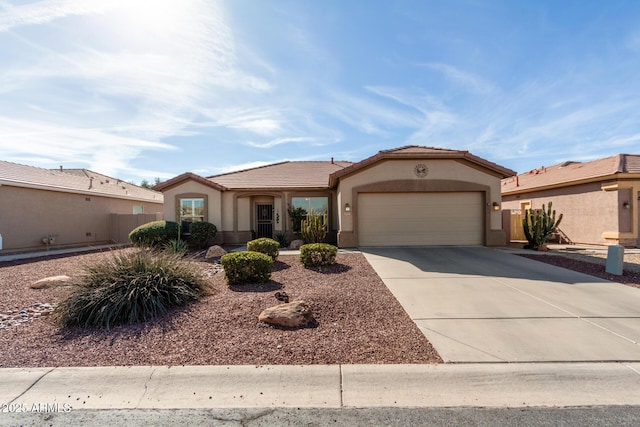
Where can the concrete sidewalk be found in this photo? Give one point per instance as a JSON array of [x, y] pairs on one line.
[[320, 386]]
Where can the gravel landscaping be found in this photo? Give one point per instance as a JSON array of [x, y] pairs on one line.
[[592, 263], [357, 321]]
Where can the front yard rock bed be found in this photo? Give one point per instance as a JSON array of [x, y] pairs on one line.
[[358, 321]]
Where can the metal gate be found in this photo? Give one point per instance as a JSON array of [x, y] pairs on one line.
[[264, 216]]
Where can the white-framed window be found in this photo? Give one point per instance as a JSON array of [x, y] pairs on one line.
[[138, 209], [192, 210]]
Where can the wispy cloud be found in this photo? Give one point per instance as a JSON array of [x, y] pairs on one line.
[[146, 74], [466, 79], [45, 11], [280, 141]]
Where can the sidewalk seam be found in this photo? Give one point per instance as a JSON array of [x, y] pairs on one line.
[[146, 386], [32, 385], [341, 386]]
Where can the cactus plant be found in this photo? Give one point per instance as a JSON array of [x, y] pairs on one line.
[[539, 225], [314, 228]]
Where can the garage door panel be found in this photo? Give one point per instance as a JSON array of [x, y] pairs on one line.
[[411, 219]]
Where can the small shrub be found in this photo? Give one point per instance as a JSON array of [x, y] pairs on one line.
[[266, 246], [282, 239], [155, 233], [176, 246], [317, 254], [202, 233], [130, 288], [246, 267]]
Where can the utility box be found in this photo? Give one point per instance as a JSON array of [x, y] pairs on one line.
[[615, 260]]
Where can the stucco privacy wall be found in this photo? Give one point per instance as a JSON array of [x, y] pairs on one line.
[[28, 215], [591, 214], [456, 172]]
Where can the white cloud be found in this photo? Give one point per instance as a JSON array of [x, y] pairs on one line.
[[97, 149], [42, 12], [280, 141], [119, 77], [463, 78]]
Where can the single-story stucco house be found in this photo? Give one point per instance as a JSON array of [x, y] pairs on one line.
[[406, 196], [44, 208], [599, 198]]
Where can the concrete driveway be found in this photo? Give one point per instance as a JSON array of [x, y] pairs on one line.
[[477, 304]]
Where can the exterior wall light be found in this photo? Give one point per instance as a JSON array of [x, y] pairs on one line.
[[347, 207], [496, 206], [625, 205]]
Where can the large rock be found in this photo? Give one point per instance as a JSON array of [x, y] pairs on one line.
[[291, 314], [215, 252], [49, 282], [296, 244]]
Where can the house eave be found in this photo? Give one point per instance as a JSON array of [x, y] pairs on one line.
[[87, 192], [489, 167], [615, 177]]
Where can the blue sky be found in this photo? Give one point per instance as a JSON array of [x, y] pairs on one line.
[[139, 89]]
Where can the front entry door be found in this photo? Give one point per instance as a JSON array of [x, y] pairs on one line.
[[264, 215]]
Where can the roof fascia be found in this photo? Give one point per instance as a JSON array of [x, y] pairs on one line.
[[602, 178], [484, 165], [188, 176], [72, 191]]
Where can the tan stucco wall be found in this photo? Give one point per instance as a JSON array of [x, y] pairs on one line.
[[455, 175], [29, 215], [591, 214], [194, 189]]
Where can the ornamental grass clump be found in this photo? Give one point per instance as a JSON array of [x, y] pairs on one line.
[[131, 288]]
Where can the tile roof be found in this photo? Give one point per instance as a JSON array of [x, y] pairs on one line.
[[187, 176], [417, 151], [81, 181], [308, 174], [571, 173]]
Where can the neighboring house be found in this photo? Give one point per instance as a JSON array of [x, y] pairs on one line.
[[402, 197], [69, 207], [599, 199]]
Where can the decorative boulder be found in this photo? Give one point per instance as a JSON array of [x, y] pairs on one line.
[[290, 315], [296, 244], [49, 282], [215, 252]]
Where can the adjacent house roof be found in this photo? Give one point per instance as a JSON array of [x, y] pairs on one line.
[[300, 175], [416, 151], [573, 173], [82, 181]]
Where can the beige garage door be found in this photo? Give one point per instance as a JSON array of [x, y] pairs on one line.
[[416, 219]]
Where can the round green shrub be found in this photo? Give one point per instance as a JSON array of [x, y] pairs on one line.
[[131, 288], [266, 246], [317, 254], [246, 267], [202, 233], [154, 233]]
